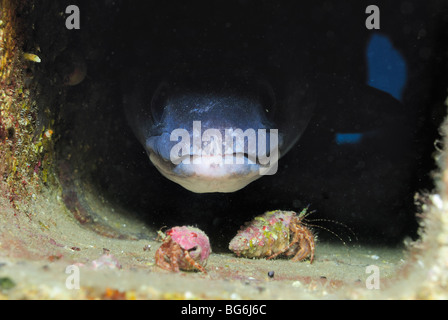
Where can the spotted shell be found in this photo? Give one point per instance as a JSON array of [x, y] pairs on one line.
[[265, 235]]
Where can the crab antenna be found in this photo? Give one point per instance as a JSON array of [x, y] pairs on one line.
[[330, 231], [305, 213], [338, 223]]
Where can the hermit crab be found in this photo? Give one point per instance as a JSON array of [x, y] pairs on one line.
[[183, 248], [274, 233]]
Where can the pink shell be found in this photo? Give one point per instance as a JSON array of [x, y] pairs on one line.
[[190, 237]]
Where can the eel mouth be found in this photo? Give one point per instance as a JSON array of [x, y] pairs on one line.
[[212, 173]]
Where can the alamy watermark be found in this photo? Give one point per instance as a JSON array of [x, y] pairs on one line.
[[211, 148], [373, 280], [73, 20], [72, 281]]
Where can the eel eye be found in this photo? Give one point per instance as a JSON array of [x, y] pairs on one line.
[[158, 102]]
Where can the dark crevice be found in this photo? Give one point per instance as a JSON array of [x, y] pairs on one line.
[[117, 38]]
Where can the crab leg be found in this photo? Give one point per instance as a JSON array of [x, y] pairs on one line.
[[161, 262], [193, 263], [305, 249]]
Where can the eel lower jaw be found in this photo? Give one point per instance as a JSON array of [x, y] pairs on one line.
[[209, 174]]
